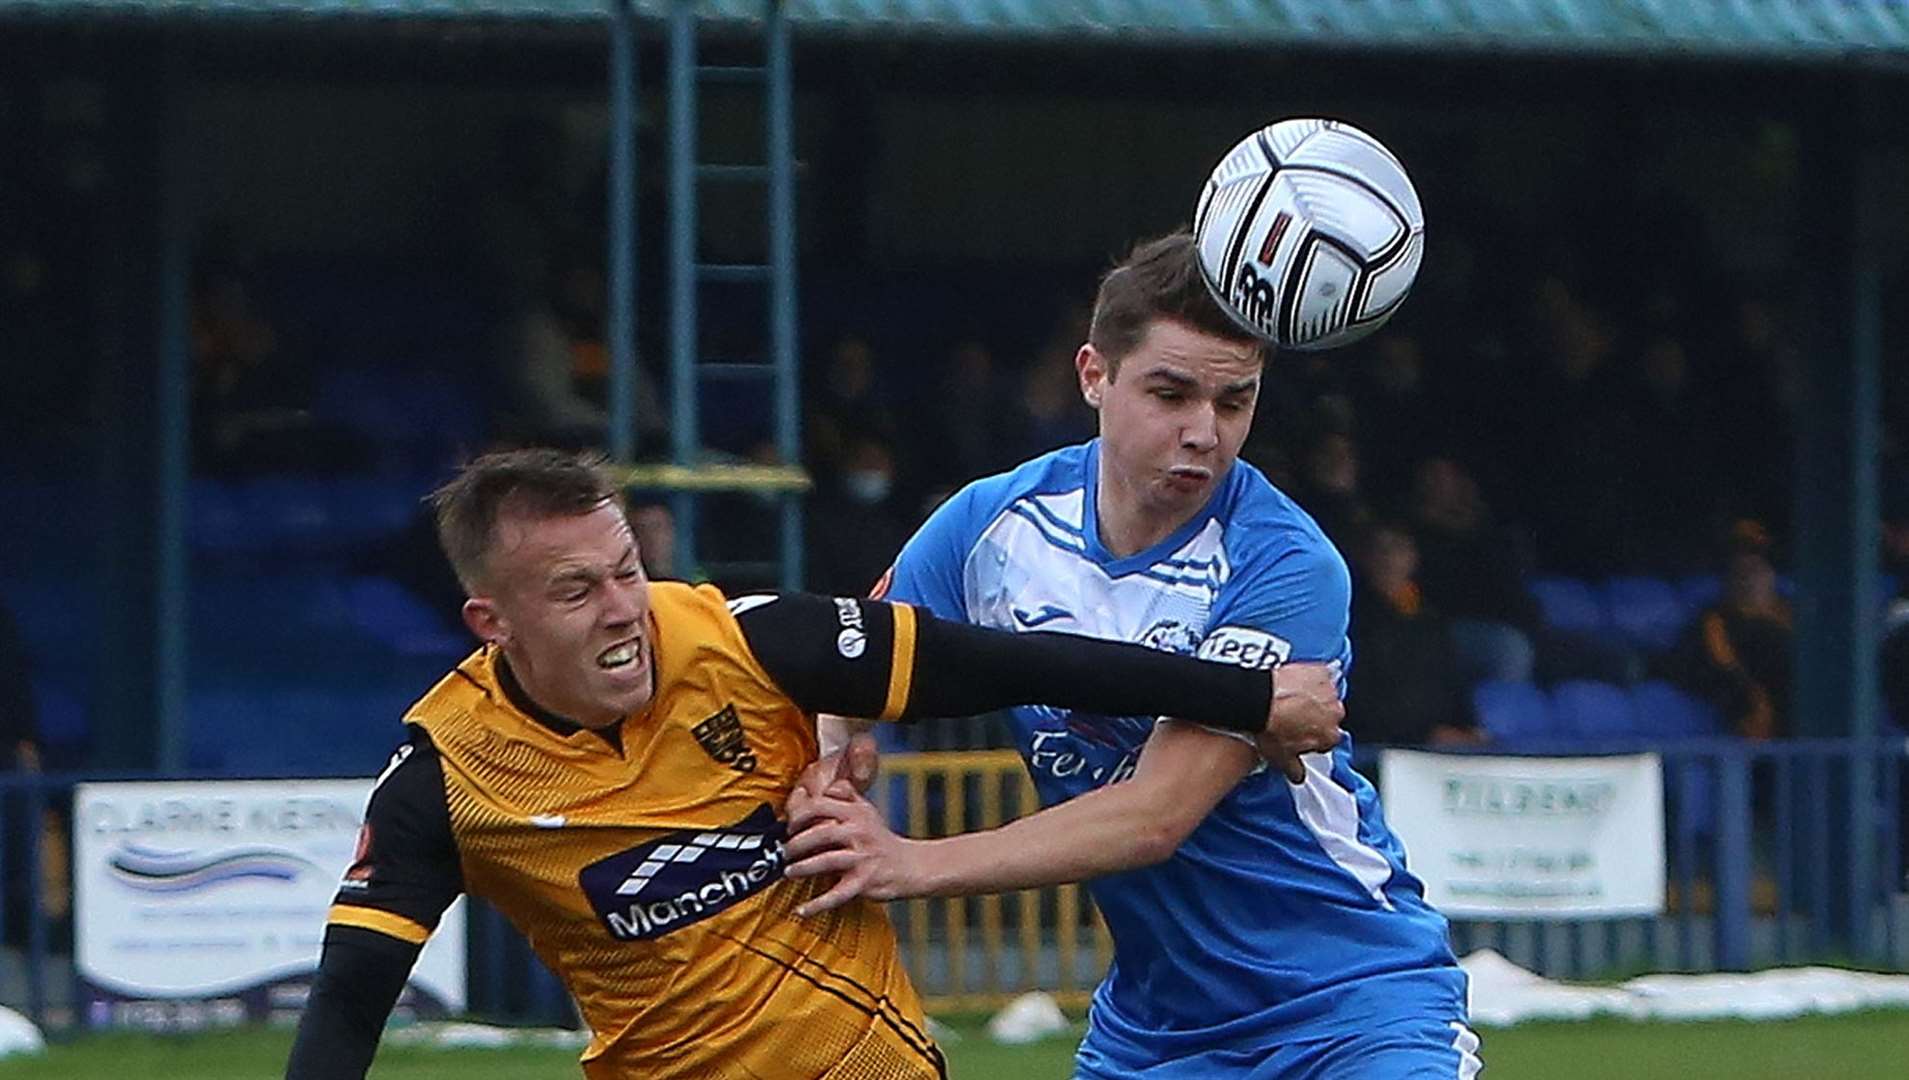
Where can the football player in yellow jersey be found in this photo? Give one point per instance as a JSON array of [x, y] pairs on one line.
[[607, 770]]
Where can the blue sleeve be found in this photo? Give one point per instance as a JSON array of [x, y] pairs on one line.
[[1290, 605], [928, 572]]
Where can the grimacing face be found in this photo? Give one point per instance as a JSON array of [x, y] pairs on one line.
[[565, 597], [1174, 417]]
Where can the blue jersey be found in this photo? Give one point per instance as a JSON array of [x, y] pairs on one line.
[[1289, 912]]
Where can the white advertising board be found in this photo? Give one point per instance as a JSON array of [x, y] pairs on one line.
[[215, 892], [1530, 838]]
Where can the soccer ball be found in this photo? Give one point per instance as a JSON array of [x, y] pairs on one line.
[[1309, 234]]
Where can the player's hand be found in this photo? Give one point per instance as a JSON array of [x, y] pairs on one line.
[[1304, 719], [855, 763], [842, 833]]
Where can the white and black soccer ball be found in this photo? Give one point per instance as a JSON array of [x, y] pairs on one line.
[[1309, 233]]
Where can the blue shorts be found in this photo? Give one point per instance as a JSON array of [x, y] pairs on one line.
[[1405, 1049]]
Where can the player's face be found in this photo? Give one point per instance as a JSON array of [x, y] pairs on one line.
[[1174, 417], [570, 606]]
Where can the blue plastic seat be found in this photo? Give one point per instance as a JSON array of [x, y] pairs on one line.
[[1592, 710], [263, 731], [216, 520], [290, 511], [1700, 590], [65, 726], [276, 606], [1666, 712], [398, 619], [363, 508], [1648, 612], [1512, 711], [1568, 603]]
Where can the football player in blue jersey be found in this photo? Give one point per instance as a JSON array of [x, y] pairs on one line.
[[1264, 921]]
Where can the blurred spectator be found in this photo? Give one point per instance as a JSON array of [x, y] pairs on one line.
[[855, 523], [1475, 573], [19, 726], [250, 401], [1737, 654], [654, 526], [1409, 691], [1895, 658], [554, 369], [1328, 487], [849, 404], [20, 751], [1895, 646], [1052, 412], [1569, 442], [971, 416], [1669, 480], [1755, 390], [1398, 418]]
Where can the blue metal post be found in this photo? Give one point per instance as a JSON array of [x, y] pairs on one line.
[[622, 213], [782, 284], [1732, 914], [174, 450], [684, 392], [1785, 834], [1863, 400], [36, 918], [1684, 844], [1838, 503]]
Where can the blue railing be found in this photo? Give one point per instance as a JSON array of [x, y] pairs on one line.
[[1767, 845]]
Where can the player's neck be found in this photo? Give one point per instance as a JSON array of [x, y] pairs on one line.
[[1126, 526]]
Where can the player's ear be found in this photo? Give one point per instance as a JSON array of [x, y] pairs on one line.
[[481, 615], [1095, 373]]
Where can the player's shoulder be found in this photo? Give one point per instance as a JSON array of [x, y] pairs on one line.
[[979, 503], [1053, 473], [1264, 527], [682, 597], [414, 774], [459, 694]]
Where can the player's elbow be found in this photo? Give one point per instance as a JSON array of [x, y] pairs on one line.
[[1156, 838]]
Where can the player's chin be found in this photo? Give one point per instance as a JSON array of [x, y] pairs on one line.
[[625, 691]]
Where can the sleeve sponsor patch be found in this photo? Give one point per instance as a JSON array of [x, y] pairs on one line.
[[1245, 647]]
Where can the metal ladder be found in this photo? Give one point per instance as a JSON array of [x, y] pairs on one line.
[[775, 370]]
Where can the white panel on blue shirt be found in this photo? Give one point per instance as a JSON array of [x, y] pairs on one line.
[[1029, 572]]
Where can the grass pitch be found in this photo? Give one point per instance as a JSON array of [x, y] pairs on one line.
[[1854, 1047]]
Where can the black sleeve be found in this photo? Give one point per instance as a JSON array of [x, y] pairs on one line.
[[842, 656], [404, 875], [406, 863], [359, 978]]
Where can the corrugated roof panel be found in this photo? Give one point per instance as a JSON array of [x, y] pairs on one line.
[[1701, 27]]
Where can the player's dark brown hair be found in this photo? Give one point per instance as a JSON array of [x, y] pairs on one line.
[[534, 482], [1159, 279]]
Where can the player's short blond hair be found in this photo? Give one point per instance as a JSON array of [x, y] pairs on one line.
[[534, 482]]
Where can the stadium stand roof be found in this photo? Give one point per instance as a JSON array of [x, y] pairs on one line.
[[1791, 29]]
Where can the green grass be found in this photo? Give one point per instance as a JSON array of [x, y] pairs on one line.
[[1862, 1045]]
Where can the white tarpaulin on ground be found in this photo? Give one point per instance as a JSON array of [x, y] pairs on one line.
[[18, 1035], [1504, 993], [1524, 837]]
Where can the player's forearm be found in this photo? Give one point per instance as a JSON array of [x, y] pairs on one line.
[[962, 670], [360, 975], [1106, 831]]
